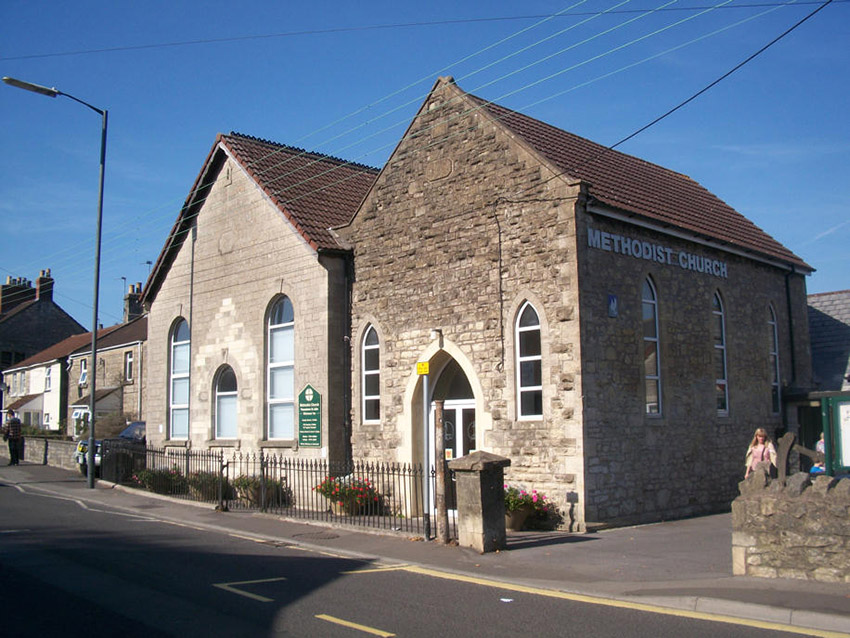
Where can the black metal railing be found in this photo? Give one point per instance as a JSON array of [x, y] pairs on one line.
[[385, 496]]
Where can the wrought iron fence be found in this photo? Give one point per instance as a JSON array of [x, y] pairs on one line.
[[368, 494]]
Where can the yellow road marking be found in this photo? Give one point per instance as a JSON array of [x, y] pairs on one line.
[[622, 604], [354, 625], [388, 568], [233, 590]]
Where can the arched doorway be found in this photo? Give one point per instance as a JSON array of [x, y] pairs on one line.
[[459, 434]]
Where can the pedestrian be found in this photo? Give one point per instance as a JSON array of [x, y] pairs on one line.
[[12, 434], [820, 466], [761, 450]]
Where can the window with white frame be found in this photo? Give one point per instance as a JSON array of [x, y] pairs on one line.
[[128, 365], [280, 371], [651, 358], [48, 382], [371, 382], [773, 341], [84, 371], [46, 419], [529, 363], [178, 383], [718, 333], [225, 404]]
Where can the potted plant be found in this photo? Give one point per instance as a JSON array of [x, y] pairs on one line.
[[349, 495], [520, 504]]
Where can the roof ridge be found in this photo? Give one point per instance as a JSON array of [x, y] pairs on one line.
[[300, 151]]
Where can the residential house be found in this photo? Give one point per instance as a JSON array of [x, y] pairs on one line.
[[119, 384], [30, 321], [609, 325], [248, 304]]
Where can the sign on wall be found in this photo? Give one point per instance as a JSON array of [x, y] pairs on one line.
[[309, 417]]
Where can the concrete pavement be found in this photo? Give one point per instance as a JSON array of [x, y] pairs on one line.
[[681, 566]]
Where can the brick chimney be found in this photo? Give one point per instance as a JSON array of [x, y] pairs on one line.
[[15, 292], [132, 302], [44, 286]]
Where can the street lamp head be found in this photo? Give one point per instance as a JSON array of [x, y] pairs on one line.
[[35, 88]]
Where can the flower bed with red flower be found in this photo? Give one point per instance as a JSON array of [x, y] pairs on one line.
[[354, 495]]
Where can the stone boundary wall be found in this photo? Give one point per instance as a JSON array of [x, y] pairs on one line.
[[50, 452], [800, 531]]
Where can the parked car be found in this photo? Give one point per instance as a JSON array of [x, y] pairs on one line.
[[133, 434]]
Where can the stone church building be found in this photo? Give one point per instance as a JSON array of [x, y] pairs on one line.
[[607, 324]]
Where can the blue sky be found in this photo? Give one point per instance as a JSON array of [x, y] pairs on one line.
[[772, 140]]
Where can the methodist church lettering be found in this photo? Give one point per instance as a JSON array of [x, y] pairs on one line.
[[640, 249]]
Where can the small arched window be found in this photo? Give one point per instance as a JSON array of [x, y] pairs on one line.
[[280, 371], [718, 334], [651, 359], [225, 403], [529, 363], [371, 382], [178, 389], [773, 341]]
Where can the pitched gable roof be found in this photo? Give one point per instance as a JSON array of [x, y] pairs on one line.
[[640, 188], [62, 349], [829, 332], [313, 191], [118, 335]]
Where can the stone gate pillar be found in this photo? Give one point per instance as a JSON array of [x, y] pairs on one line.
[[480, 500]]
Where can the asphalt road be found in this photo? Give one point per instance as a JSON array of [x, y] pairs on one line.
[[68, 569]]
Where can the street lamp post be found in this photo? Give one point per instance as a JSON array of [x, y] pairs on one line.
[[43, 90]]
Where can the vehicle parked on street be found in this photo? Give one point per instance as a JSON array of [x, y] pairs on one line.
[[133, 435]]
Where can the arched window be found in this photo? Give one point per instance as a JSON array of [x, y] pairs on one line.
[[178, 387], [773, 341], [718, 333], [529, 363], [651, 359], [225, 403], [280, 371], [371, 382]]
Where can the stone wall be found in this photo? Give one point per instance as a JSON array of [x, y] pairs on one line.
[[58, 453], [801, 530]]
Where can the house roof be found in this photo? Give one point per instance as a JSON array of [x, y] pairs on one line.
[[60, 350], [21, 402], [119, 335], [641, 189], [829, 332], [99, 394], [313, 191]]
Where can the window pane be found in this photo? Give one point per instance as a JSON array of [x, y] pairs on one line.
[[225, 416], [371, 337], [529, 343], [721, 397], [181, 332], [180, 423], [179, 391], [531, 403], [647, 294], [227, 381], [373, 384], [180, 359], [282, 383], [372, 410], [717, 329], [719, 364], [371, 359], [649, 320], [282, 421], [650, 359], [528, 318], [282, 312], [652, 404], [530, 373], [282, 346]]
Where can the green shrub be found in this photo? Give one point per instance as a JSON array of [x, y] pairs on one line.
[[162, 481]]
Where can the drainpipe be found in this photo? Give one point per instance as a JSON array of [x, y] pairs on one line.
[[791, 324]]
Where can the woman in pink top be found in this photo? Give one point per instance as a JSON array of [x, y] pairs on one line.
[[761, 450]]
